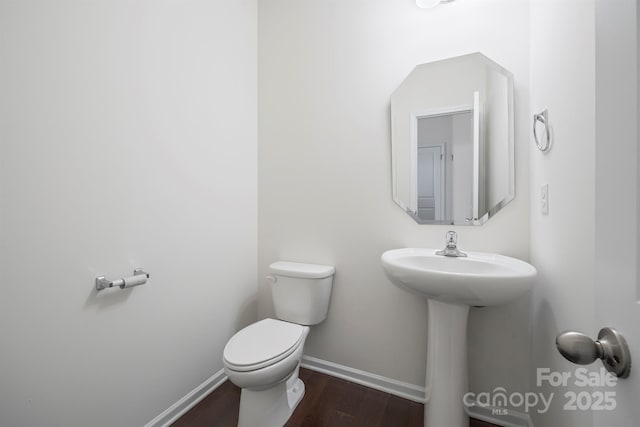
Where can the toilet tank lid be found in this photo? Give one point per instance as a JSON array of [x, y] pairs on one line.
[[302, 270]]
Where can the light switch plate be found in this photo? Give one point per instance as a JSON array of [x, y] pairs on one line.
[[544, 199]]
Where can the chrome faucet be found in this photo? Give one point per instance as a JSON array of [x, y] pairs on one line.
[[451, 249]]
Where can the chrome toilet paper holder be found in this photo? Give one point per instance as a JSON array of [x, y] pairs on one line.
[[139, 278]]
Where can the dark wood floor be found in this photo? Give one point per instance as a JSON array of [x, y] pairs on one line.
[[328, 402]]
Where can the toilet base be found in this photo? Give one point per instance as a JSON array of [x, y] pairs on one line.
[[271, 407]]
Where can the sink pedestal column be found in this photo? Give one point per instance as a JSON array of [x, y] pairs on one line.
[[446, 381]]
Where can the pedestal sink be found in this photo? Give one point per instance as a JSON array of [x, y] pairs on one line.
[[452, 285]]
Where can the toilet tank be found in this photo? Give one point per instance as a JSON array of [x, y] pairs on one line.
[[301, 292]]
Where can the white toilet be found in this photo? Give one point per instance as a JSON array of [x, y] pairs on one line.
[[264, 358]]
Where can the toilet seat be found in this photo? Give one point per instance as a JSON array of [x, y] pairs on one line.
[[262, 344]]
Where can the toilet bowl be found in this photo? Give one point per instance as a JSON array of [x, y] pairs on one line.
[[267, 372], [264, 358], [264, 354]]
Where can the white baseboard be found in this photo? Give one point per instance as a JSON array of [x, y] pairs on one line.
[[179, 408], [378, 382], [367, 379], [388, 385], [510, 419]]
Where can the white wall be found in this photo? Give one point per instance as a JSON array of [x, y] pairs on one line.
[[327, 71], [434, 131], [127, 138], [562, 243]]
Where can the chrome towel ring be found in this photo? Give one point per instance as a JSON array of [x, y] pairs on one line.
[[543, 118]]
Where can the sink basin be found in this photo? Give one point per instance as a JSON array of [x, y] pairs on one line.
[[451, 286], [480, 279]]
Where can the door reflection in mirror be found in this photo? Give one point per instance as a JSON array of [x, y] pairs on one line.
[[444, 166]]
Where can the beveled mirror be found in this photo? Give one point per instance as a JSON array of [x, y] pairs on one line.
[[452, 141]]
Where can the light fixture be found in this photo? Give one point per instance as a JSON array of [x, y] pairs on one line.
[[428, 4]]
